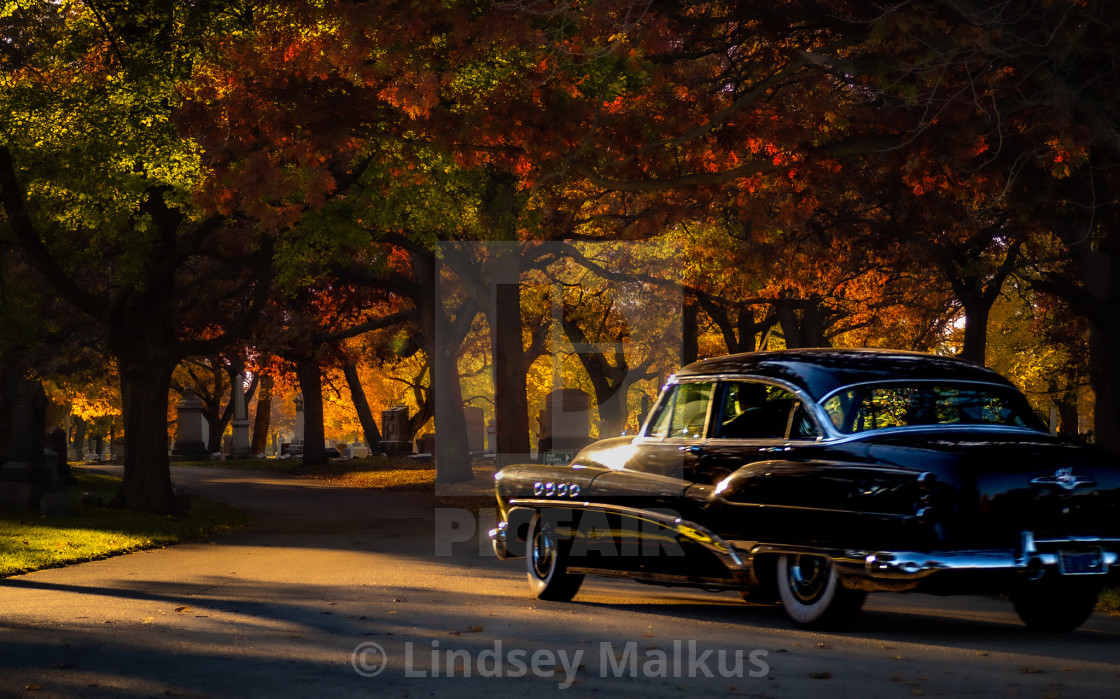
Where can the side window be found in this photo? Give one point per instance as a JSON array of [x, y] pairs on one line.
[[751, 410], [682, 412], [690, 410], [659, 423]]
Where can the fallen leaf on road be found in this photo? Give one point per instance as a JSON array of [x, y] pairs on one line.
[[181, 609]]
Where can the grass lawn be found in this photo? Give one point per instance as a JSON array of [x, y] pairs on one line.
[[30, 542], [1109, 601]]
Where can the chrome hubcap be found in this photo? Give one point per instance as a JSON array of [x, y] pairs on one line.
[[544, 553], [808, 577]]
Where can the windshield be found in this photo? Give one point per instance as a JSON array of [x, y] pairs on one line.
[[912, 404]]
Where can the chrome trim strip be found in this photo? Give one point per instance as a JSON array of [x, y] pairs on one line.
[[727, 553], [930, 429], [915, 565], [767, 505]]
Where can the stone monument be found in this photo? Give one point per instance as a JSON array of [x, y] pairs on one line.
[[241, 447], [295, 447], [565, 421], [190, 431], [25, 476], [394, 431], [476, 429]]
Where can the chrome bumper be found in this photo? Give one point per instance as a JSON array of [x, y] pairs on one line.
[[1033, 559], [498, 540]]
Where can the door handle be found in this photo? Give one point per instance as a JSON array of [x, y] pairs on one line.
[[772, 450], [695, 449]]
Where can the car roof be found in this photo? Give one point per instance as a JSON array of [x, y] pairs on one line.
[[819, 372]]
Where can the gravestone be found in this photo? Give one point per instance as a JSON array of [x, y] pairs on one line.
[[297, 439], [426, 444], [241, 446], [476, 428], [190, 429], [295, 447], [492, 435], [394, 431], [565, 421], [57, 442], [25, 475]]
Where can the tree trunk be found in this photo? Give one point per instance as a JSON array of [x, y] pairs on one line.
[[361, 405], [145, 375], [690, 330], [1068, 417], [453, 459], [263, 417], [314, 437], [1104, 372], [607, 380], [613, 411], [511, 401], [216, 419], [976, 310]]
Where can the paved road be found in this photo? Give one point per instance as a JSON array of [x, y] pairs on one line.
[[306, 601]]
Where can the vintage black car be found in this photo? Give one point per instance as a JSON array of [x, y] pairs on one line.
[[812, 477]]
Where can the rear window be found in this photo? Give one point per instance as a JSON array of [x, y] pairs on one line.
[[893, 405]]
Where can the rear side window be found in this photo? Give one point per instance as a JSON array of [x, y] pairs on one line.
[[893, 405], [753, 410]]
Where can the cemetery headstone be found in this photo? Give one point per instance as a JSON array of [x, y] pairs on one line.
[[476, 428], [25, 476], [565, 421], [426, 444], [295, 447], [241, 446], [394, 431], [190, 429]]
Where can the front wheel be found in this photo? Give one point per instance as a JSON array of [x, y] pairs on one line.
[[811, 592], [547, 558], [1056, 605]]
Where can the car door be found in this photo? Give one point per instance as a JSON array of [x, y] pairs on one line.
[[764, 434], [656, 476]]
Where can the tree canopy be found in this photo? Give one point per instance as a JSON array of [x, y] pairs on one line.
[[278, 178]]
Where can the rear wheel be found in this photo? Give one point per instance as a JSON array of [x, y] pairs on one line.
[[811, 592], [1056, 605], [547, 558]]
